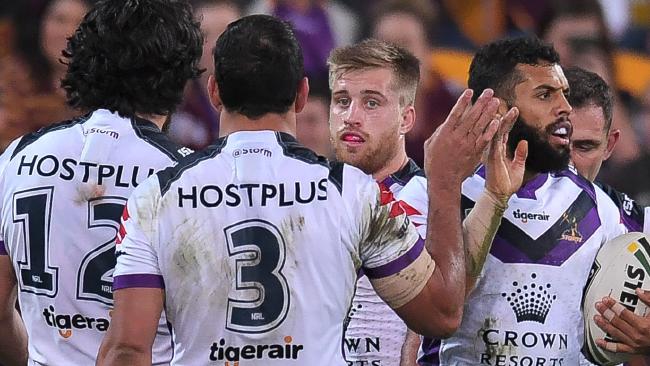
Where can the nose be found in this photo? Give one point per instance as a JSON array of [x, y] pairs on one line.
[[563, 108], [353, 115]]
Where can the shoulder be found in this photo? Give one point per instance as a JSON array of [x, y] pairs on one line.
[[168, 176], [30, 138], [631, 213]]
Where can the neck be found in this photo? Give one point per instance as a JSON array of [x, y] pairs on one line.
[[156, 119], [393, 166], [234, 122]]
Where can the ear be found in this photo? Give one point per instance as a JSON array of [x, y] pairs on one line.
[[302, 95], [213, 93], [612, 139], [408, 119]]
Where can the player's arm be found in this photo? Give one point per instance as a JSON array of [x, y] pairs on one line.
[[504, 177], [133, 327], [138, 286], [410, 349], [13, 343], [429, 293]]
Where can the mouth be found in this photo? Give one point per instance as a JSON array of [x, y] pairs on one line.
[[352, 139], [560, 132]]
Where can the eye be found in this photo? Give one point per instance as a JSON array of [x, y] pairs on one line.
[[343, 102], [545, 95], [372, 104], [584, 146]]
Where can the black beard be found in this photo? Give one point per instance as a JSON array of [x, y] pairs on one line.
[[542, 156]]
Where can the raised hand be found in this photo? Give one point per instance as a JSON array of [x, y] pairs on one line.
[[454, 150], [504, 176]]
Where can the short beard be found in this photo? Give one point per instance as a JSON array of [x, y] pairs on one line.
[[372, 159], [542, 156]]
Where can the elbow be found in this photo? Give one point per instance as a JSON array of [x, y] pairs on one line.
[[444, 325]]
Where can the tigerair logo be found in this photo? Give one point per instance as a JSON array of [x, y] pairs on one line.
[[66, 323], [526, 216], [232, 355], [530, 301]]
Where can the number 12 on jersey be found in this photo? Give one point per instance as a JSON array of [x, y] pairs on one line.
[[32, 210]]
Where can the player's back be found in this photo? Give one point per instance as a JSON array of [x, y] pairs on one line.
[[63, 191], [257, 241]]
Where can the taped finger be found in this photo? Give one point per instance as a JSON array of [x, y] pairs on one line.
[[611, 346], [609, 314], [618, 308]]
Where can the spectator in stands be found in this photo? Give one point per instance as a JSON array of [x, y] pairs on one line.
[[196, 122], [405, 23], [320, 25], [30, 93]]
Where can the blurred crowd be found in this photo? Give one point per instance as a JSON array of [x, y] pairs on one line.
[[609, 37]]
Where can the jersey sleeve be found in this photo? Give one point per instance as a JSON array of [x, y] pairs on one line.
[[632, 215], [612, 222], [415, 202], [392, 252], [137, 260]]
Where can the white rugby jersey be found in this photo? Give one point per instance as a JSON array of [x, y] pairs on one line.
[[375, 334], [257, 242], [62, 194], [526, 307]]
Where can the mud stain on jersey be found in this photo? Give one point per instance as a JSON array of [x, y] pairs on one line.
[[88, 191], [492, 349]]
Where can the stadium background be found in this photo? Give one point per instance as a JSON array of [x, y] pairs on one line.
[[610, 37]]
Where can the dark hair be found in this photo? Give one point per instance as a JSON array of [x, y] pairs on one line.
[[133, 56], [27, 21], [494, 65], [258, 66], [589, 88]]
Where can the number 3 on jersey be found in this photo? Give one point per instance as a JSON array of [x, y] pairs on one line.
[[33, 210], [262, 292]]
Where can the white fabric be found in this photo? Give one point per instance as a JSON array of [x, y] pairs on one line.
[[62, 196]]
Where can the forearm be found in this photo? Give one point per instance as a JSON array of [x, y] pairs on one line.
[[479, 230], [13, 343], [410, 349], [444, 243], [123, 355]]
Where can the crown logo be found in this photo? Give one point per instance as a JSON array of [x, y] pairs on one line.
[[530, 301]]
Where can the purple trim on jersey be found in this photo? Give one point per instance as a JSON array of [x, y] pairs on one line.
[[431, 350], [138, 280], [3, 249], [481, 171], [508, 253], [630, 223], [581, 182], [528, 190], [398, 264], [389, 181]]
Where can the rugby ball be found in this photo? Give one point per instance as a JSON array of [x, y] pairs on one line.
[[621, 265]]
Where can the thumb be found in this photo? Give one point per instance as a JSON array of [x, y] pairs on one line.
[[643, 296]]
